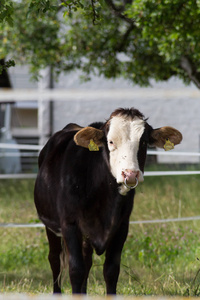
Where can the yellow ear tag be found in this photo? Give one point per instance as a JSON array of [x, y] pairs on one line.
[[92, 146], [168, 145]]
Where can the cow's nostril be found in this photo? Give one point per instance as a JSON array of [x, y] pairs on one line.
[[138, 174], [125, 174], [130, 175]]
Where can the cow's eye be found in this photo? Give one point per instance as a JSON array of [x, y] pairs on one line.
[[111, 145]]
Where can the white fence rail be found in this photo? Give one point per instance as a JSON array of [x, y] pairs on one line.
[[156, 221], [20, 146], [149, 152], [97, 94], [147, 173], [9, 296]]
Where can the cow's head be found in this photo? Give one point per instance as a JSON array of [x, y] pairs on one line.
[[127, 135]]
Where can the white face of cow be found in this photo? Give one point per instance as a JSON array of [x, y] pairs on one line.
[[123, 143]]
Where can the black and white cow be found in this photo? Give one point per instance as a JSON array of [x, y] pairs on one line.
[[85, 188]]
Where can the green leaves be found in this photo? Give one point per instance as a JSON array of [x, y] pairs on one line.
[[41, 6], [91, 35], [171, 28], [7, 64], [72, 5], [6, 11]]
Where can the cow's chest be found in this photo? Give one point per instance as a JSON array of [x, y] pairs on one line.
[[96, 233], [100, 224]]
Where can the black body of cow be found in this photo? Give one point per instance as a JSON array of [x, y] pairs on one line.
[[78, 200]]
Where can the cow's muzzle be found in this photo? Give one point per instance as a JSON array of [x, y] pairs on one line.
[[130, 178]]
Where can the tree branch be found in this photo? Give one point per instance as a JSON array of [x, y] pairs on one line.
[[95, 15], [191, 71], [122, 43], [118, 11]]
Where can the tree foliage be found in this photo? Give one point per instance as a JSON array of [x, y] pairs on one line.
[[137, 40]]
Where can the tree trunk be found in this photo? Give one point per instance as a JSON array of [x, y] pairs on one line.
[[190, 69], [4, 77]]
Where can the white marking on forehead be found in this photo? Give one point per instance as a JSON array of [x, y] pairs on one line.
[[122, 128]]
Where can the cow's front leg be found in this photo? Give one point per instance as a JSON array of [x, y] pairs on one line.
[[77, 270], [55, 250], [87, 255], [113, 258]]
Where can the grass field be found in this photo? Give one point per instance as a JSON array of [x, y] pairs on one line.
[[158, 259]]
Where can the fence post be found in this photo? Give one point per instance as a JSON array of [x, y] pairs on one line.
[[43, 107]]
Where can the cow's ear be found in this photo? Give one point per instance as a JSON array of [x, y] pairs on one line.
[[84, 137], [161, 136]]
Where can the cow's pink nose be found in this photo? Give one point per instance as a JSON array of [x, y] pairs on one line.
[[130, 176]]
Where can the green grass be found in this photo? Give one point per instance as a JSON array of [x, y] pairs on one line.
[[158, 259]]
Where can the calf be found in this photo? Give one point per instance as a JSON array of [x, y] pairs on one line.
[[85, 188]]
